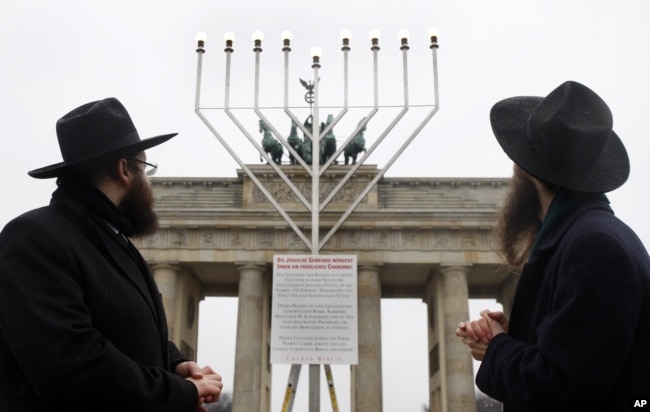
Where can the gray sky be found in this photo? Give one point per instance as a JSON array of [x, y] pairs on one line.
[[56, 55]]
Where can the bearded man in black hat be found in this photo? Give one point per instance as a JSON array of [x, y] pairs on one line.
[[82, 324], [578, 338]]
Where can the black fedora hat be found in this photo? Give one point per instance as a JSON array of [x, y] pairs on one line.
[[94, 131], [565, 138]]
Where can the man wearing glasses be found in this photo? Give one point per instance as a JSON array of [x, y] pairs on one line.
[[82, 325]]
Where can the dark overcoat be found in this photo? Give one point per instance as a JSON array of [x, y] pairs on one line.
[[579, 335], [82, 325]]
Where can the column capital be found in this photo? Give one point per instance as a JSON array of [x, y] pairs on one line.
[[372, 266], [257, 266], [165, 265], [446, 268]]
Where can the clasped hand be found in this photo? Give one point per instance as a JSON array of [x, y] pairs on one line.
[[477, 334], [207, 381]]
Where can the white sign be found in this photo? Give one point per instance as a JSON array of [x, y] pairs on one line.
[[314, 312]]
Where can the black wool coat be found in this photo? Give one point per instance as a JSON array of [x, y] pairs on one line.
[[82, 326], [579, 335]]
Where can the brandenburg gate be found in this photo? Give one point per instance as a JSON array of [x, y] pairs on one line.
[[422, 238]]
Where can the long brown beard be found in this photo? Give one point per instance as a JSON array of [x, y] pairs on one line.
[[518, 222], [137, 207]]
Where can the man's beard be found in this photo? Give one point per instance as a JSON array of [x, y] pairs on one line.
[[137, 207], [519, 220]]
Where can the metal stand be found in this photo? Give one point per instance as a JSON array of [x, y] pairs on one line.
[[314, 388], [292, 386]]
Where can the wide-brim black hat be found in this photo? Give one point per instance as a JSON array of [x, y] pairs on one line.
[[94, 131], [565, 138]]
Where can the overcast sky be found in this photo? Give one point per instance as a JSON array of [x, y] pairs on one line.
[[56, 55]]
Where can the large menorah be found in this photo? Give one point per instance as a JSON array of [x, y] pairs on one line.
[[315, 135], [315, 165]]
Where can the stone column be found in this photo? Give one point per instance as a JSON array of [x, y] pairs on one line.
[[435, 308], [459, 376], [166, 277], [507, 294], [248, 354], [366, 376]]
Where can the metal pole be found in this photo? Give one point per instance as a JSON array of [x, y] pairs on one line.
[[314, 388], [330, 385], [314, 370], [315, 163], [292, 387]]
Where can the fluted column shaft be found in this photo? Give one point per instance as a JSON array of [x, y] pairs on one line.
[[367, 374], [166, 278], [458, 362], [248, 355]]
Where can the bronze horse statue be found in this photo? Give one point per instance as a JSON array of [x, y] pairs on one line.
[[295, 142], [306, 140], [356, 146], [270, 145], [328, 143]]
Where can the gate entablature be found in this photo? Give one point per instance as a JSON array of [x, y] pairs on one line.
[[410, 225], [433, 202]]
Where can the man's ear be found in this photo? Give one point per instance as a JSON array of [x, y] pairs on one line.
[[124, 174]]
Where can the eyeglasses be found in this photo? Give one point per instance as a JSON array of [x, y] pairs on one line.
[[150, 169]]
